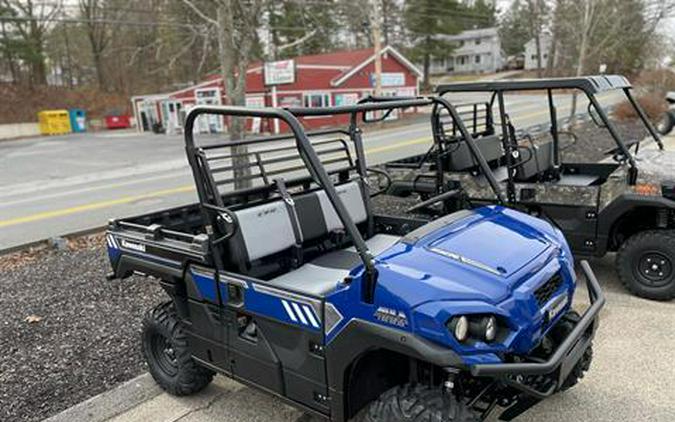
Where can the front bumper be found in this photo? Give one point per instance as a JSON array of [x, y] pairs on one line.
[[562, 361]]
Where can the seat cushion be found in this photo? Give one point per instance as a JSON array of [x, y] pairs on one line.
[[321, 276]]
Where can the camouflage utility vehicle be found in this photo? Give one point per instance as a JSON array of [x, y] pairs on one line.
[[623, 204], [292, 284]]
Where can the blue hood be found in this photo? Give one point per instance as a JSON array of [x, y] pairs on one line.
[[483, 257]]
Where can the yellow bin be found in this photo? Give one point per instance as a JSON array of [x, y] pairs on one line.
[[54, 122]]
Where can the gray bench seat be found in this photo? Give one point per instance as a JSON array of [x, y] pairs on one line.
[[320, 276]]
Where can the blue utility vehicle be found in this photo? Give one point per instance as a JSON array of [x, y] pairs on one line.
[[284, 278]]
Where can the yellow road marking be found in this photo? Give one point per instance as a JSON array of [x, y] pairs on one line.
[[93, 206], [399, 145]]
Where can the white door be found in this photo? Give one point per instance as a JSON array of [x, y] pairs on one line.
[[210, 123]]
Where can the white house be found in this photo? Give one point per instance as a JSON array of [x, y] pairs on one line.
[[531, 51], [476, 51]]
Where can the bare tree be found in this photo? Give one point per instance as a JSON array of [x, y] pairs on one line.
[[235, 27], [537, 12], [589, 10], [605, 31], [99, 33], [32, 26]]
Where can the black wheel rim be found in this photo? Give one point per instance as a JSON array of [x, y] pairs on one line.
[[164, 354], [654, 269]]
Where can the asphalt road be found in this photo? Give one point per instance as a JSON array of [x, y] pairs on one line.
[[631, 377], [52, 186]]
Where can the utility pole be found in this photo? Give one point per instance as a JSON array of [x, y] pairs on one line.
[[376, 33]]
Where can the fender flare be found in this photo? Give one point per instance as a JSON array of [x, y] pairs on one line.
[[608, 217]]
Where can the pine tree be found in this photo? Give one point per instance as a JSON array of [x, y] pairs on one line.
[[426, 21]]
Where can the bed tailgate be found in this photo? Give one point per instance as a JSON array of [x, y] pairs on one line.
[[153, 250]]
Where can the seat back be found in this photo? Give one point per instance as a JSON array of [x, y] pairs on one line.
[[267, 229], [318, 217], [537, 160], [460, 158]]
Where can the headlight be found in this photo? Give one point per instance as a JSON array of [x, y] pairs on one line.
[[459, 327], [490, 324], [476, 327]]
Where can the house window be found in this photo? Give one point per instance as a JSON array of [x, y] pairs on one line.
[[534, 57], [477, 59], [317, 99], [477, 41]]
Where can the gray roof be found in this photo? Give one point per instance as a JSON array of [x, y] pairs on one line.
[[590, 84]]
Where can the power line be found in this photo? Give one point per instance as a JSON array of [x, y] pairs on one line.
[[103, 21], [125, 22]]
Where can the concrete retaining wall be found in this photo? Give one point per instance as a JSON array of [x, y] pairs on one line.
[[19, 130]]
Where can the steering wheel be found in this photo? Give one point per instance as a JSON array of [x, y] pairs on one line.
[[380, 176]]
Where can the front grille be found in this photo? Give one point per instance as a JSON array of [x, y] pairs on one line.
[[546, 291]]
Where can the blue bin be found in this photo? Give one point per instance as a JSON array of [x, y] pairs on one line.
[[78, 120]]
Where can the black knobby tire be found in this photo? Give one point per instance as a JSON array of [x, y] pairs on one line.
[[646, 264], [559, 334], [417, 403], [165, 349], [665, 123]]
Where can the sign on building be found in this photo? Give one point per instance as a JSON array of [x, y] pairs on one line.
[[389, 79], [280, 72], [346, 99]]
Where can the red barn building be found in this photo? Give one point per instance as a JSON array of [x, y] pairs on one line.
[[331, 79]]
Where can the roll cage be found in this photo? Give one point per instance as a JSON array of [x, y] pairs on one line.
[[217, 206], [590, 86]]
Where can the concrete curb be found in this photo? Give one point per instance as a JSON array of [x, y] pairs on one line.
[[112, 402]]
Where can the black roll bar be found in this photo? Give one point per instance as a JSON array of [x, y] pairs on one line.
[[471, 143], [307, 153], [643, 116], [588, 85], [612, 129]]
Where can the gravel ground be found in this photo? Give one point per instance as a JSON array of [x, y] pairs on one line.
[[593, 141], [66, 334]]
